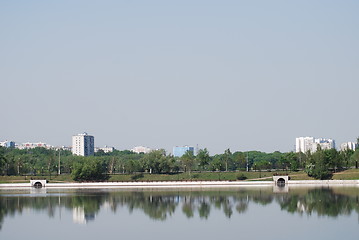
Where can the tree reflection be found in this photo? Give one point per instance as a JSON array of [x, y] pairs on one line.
[[86, 204], [204, 209], [155, 206], [242, 207], [324, 202]]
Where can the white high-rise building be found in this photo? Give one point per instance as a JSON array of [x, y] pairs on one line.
[[324, 143], [348, 146], [83, 145], [304, 144]]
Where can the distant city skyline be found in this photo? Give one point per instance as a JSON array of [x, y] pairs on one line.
[[301, 144], [311, 144], [244, 75]]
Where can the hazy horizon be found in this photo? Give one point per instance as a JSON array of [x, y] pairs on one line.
[[244, 75]]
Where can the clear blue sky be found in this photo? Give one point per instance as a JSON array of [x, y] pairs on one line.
[[244, 75]]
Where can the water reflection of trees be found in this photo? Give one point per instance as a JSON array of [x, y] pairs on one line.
[[324, 202], [161, 205], [155, 206]]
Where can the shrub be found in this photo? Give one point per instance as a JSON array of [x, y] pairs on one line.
[[88, 170], [195, 175], [137, 176], [241, 177]]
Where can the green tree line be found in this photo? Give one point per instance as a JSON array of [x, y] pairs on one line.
[[40, 161]]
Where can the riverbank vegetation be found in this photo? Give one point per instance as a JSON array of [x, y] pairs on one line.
[[159, 166]]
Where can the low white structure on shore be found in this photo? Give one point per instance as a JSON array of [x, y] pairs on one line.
[[38, 183], [182, 184], [280, 180]]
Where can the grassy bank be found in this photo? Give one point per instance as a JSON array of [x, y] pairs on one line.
[[351, 174], [194, 176], [24, 179]]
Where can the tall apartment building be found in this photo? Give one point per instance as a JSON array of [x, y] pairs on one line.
[[304, 144], [83, 145], [179, 151], [348, 145], [324, 143]]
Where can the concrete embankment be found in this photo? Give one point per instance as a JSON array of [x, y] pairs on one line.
[[184, 184], [174, 184], [323, 182]]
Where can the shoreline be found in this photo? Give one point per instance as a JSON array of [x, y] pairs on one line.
[[182, 184]]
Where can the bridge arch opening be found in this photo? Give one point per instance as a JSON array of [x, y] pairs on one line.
[[281, 182]]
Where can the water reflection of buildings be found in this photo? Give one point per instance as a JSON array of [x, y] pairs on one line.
[[302, 207], [79, 216]]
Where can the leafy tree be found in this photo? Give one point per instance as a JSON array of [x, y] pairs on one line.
[[203, 158], [188, 161], [100, 152], [319, 165], [346, 158], [284, 162], [10, 164], [89, 169], [50, 164], [168, 164], [334, 159], [217, 164], [111, 165], [227, 157], [292, 160], [152, 161], [355, 157], [2, 160], [261, 165], [132, 166], [239, 160], [274, 157], [301, 157]]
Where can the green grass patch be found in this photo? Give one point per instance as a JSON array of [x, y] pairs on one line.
[[198, 176], [25, 179], [351, 174]]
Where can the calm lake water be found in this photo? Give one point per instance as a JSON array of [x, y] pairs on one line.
[[238, 213]]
